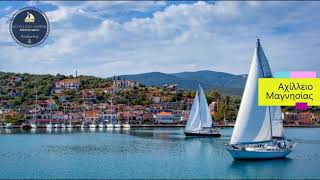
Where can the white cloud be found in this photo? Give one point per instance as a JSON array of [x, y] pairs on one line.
[[183, 37]]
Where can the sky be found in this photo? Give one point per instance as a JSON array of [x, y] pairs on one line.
[[106, 38]]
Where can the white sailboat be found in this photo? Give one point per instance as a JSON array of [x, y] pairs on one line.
[[258, 132], [101, 125], [93, 125], [8, 125], [70, 126], [200, 121], [84, 125]]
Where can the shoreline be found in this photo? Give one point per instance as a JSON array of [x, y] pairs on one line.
[[178, 126]]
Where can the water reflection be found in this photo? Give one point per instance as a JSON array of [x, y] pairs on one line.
[[260, 169]]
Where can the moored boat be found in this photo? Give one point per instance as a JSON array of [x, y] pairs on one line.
[[102, 125], [58, 125], [34, 125], [258, 132], [126, 126], [93, 125], [200, 121], [49, 126], [8, 125], [69, 126], [84, 125], [25, 126], [109, 125], [117, 126]]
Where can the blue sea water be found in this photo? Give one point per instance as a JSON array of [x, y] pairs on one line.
[[145, 153]]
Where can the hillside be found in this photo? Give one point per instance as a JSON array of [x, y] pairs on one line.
[[224, 82]]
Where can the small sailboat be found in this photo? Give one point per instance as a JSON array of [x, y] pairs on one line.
[[258, 132], [109, 125], [35, 123], [93, 125], [69, 126], [117, 125], [58, 125], [102, 125], [8, 125], [84, 125], [26, 126], [63, 125], [126, 126], [50, 125], [200, 121]]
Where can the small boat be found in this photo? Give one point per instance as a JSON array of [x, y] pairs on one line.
[[258, 132], [117, 126], [93, 125], [57, 126], [200, 120], [34, 125], [126, 126], [69, 126], [109, 126], [49, 126], [101, 125], [25, 126], [84, 125], [8, 125], [63, 126]]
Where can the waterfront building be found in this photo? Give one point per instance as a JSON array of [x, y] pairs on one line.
[[164, 118], [92, 116], [303, 118], [108, 115]]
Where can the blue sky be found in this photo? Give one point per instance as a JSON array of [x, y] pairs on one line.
[[127, 37]]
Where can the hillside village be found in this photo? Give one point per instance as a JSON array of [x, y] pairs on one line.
[[61, 99]]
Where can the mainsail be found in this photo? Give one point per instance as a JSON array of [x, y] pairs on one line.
[[254, 123], [199, 116]]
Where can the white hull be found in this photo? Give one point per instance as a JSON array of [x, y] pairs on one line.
[[93, 126], [256, 155], [34, 126], [117, 126], [126, 126], [84, 126], [49, 126], [110, 126], [8, 125], [101, 126], [69, 126], [57, 126]]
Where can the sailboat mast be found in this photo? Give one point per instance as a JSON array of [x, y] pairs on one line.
[[36, 107], [268, 107], [50, 111], [199, 108]]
